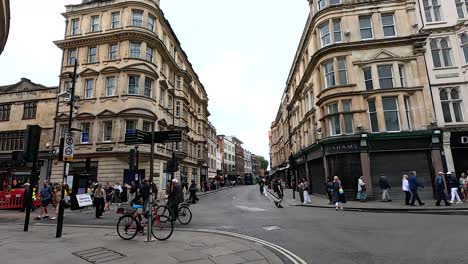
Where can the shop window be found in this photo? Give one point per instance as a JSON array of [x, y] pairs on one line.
[[391, 115], [451, 101]]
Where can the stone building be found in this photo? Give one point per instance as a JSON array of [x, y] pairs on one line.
[[239, 158], [447, 61], [247, 162], [4, 23], [133, 74], [212, 147], [21, 104], [358, 100], [228, 155]]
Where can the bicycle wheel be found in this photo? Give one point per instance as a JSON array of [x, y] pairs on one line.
[[184, 215], [163, 210], [127, 227], [162, 227]]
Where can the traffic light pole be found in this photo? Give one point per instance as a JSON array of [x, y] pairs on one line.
[[150, 207], [70, 118]]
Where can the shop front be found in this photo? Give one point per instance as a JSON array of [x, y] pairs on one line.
[[459, 147], [316, 169]]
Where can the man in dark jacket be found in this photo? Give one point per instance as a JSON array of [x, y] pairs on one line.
[[176, 197], [193, 192], [279, 191], [143, 195], [440, 190], [385, 187], [413, 185]]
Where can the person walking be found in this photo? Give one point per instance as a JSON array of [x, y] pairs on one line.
[[300, 190], [440, 190], [362, 190], [99, 200], [132, 192], [193, 193], [329, 189], [46, 196], [176, 196], [278, 189], [109, 196], [338, 194], [414, 185], [385, 187], [305, 186], [117, 193], [406, 189], [464, 186], [261, 185], [453, 185]]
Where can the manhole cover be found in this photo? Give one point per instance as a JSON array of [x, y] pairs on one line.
[[98, 255]]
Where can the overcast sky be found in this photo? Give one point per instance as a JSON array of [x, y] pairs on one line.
[[242, 51]]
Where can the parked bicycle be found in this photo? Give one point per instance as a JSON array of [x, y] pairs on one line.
[[131, 223], [183, 214]]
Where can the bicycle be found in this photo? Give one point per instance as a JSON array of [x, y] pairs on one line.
[[130, 224], [184, 214]]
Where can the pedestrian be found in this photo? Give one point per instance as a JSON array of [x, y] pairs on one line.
[[261, 185], [278, 189], [46, 196], [133, 191], [385, 187], [300, 190], [99, 200], [305, 186], [57, 198], [414, 185], [453, 185], [117, 193], [362, 190], [109, 196], [193, 193], [406, 189], [440, 190], [464, 186], [176, 197], [338, 194], [329, 189]]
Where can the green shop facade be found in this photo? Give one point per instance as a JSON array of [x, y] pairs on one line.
[[370, 156]]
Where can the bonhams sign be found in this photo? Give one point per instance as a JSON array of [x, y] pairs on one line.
[[459, 139], [345, 147]]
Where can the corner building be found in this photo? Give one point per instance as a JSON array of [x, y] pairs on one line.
[[358, 100], [133, 74]]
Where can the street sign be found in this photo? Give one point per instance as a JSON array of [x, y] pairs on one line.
[[69, 147], [168, 136], [136, 136]]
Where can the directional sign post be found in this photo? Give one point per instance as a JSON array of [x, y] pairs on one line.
[[133, 137], [69, 147]]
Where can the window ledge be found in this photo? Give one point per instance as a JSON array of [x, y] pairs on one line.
[[436, 23], [91, 63], [28, 118], [446, 68], [114, 60]]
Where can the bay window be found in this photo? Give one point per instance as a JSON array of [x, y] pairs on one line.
[[385, 76], [441, 52], [451, 101], [432, 10]]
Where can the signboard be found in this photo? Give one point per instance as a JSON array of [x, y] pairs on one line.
[[69, 147], [84, 200], [142, 137], [102, 149], [459, 139], [345, 147]]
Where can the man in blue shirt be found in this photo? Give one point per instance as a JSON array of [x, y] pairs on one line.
[[440, 190], [46, 196], [413, 185]]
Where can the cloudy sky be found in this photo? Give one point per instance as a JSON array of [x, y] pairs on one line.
[[242, 51]]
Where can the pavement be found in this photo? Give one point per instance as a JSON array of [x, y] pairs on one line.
[[297, 234], [102, 245], [318, 201]]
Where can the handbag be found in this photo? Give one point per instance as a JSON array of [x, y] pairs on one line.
[[340, 191]]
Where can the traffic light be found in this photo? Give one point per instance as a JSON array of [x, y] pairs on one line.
[[31, 142], [176, 165], [170, 166], [131, 160]]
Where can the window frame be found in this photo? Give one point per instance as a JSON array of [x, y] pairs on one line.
[[151, 26], [326, 35], [334, 119], [92, 57], [337, 21], [330, 74], [450, 102], [347, 113], [341, 70], [87, 89], [113, 86], [134, 85], [113, 54], [372, 114], [115, 23], [74, 30], [105, 129], [70, 57], [393, 25], [371, 27], [93, 26], [5, 111], [148, 88], [366, 81], [137, 21], [397, 110], [85, 128], [429, 9], [409, 119], [133, 50], [150, 55], [29, 110], [392, 75]]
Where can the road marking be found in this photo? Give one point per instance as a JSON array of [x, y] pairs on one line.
[[270, 228], [251, 209]]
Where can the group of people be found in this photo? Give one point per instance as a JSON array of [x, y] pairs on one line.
[[51, 194], [335, 192]]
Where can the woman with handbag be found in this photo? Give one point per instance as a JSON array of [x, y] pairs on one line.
[[338, 194], [362, 194]]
